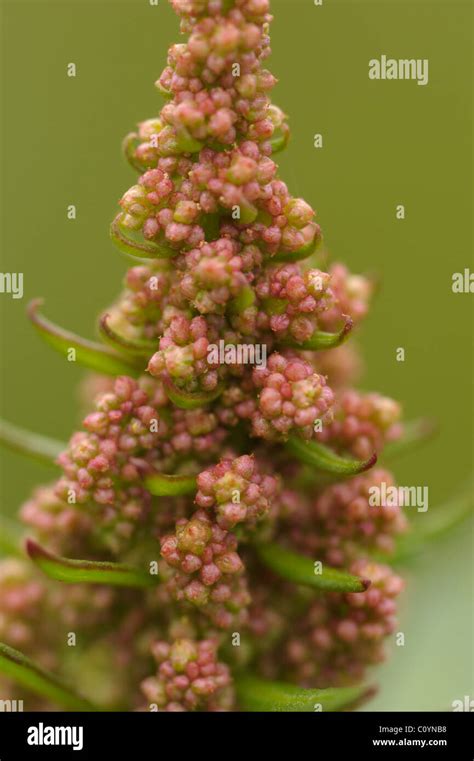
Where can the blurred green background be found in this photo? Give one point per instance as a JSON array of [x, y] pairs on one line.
[[385, 143]]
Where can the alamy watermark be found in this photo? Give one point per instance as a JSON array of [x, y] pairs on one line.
[[399, 496], [403, 68], [237, 354], [12, 283]]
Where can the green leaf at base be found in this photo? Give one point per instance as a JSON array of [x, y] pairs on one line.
[[34, 445], [88, 353], [22, 670], [187, 400], [256, 694], [321, 340], [301, 570], [139, 249], [87, 571], [324, 459], [296, 256], [140, 348], [161, 485]]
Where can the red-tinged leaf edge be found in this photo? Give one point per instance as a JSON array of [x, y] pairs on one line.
[[321, 340], [138, 249]]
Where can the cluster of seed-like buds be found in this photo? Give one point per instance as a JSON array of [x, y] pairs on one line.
[[344, 520], [351, 296], [291, 301], [190, 677], [292, 397], [362, 423], [136, 315], [104, 465], [195, 433], [22, 597], [183, 354], [207, 568], [289, 225], [342, 634], [236, 492], [215, 273]]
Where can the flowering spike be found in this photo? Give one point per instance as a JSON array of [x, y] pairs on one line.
[[301, 570], [39, 447], [21, 669], [324, 459], [88, 353], [161, 485], [321, 340], [415, 432], [87, 571], [135, 248], [187, 400], [142, 348], [260, 695]]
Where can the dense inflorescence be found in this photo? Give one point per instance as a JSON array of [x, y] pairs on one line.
[[233, 263]]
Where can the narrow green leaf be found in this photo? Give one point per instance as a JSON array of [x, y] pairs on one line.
[[34, 445], [140, 249], [321, 340], [322, 458], [190, 401], [256, 694], [161, 485], [434, 525], [301, 570], [280, 139], [87, 571], [140, 348], [88, 353], [304, 253], [22, 670], [415, 433]]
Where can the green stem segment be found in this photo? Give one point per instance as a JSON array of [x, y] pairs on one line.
[[87, 571], [87, 353], [303, 570], [324, 459], [22, 670], [260, 695], [39, 447]]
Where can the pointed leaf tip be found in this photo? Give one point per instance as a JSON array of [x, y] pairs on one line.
[[324, 459], [301, 570], [321, 340], [87, 353], [87, 571]]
